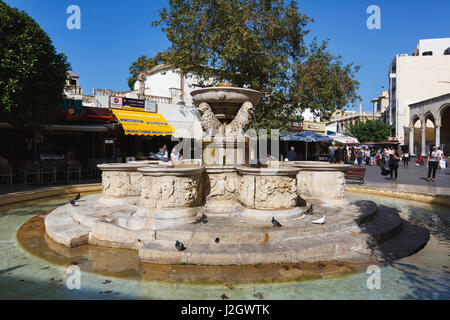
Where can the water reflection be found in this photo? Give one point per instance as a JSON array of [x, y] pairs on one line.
[[424, 275]]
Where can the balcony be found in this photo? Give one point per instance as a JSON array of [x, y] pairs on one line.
[[73, 90]]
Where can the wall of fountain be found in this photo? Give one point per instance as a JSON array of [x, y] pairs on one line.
[[179, 192], [222, 208]]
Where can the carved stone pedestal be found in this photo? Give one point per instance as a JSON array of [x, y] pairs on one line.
[[267, 193], [321, 180], [121, 183], [170, 196], [220, 189]]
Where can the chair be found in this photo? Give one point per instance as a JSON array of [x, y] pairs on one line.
[[32, 169], [48, 169], [73, 167], [6, 171]]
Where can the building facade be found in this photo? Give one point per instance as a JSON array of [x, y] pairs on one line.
[[412, 79], [341, 120], [380, 104], [429, 124]]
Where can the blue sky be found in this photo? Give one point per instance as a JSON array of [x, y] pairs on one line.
[[114, 33]]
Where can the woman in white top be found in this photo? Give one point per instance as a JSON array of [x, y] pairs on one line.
[[175, 155], [433, 163], [405, 159]]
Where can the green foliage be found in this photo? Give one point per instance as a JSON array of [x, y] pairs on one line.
[[324, 83], [32, 74], [141, 64], [371, 131], [258, 44]]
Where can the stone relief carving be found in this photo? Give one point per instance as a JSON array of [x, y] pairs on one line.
[[171, 192], [210, 124], [221, 186], [330, 185], [121, 184], [247, 191], [213, 128], [275, 193]]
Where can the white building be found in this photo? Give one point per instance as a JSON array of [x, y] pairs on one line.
[[412, 79], [166, 82]]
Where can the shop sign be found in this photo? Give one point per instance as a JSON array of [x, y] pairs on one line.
[[318, 127], [150, 106], [115, 102], [133, 104]]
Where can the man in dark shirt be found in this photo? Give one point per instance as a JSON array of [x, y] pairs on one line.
[[291, 155]]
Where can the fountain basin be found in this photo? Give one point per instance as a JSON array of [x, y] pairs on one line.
[[121, 182], [318, 179], [226, 101], [170, 196], [269, 192]]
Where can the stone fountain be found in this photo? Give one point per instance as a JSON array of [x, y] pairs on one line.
[[222, 208], [225, 115]]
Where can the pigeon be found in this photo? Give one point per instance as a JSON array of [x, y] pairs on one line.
[[310, 211], [203, 219], [180, 246], [320, 221], [72, 202], [77, 197], [275, 223]]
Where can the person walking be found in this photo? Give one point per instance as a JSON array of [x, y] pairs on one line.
[[394, 158], [360, 157], [367, 154], [433, 163], [373, 155], [405, 159], [441, 154]]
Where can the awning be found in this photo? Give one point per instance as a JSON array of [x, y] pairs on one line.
[[86, 128], [344, 139], [143, 123]]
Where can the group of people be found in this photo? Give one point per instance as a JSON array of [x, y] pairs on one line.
[[391, 158], [163, 155]]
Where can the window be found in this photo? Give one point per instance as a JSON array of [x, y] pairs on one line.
[[427, 53], [447, 52], [73, 82]]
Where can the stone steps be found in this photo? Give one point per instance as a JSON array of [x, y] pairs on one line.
[[309, 249], [62, 228], [382, 226], [407, 241], [258, 233]]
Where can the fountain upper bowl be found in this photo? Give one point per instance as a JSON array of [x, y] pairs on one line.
[[226, 95]]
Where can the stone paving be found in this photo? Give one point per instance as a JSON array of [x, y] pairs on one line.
[[412, 178]]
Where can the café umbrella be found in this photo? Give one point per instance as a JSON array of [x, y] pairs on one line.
[[306, 136]]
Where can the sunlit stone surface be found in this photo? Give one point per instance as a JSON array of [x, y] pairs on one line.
[[222, 209]]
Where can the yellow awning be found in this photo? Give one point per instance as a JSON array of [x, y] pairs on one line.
[[143, 123]]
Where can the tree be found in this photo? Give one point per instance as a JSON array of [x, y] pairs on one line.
[[370, 131], [258, 44], [323, 83], [32, 74], [141, 64]]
